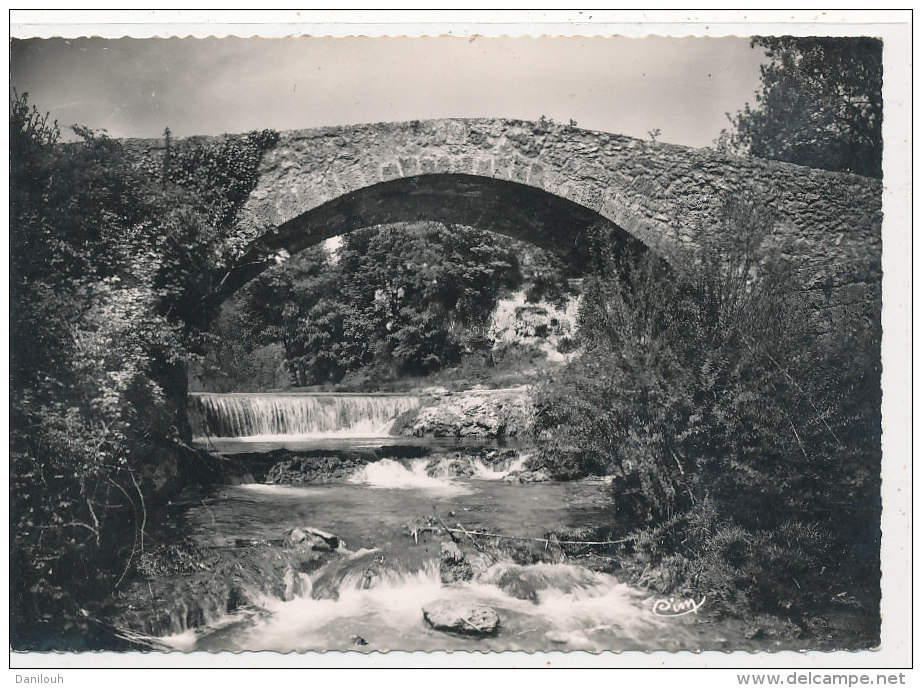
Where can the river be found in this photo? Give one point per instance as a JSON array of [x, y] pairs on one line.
[[372, 596]]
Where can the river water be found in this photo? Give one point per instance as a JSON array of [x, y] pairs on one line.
[[372, 599]]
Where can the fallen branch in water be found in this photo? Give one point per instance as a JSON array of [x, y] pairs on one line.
[[140, 640], [471, 537], [135, 544], [447, 529]]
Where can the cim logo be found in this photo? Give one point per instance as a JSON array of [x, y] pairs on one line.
[[673, 607]]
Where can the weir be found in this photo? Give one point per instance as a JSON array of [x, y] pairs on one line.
[[288, 416]]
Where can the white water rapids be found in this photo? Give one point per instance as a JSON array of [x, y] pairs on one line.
[[377, 591], [372, 596], [423, 474], [575, 609]]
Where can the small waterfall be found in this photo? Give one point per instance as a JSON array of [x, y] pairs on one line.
[[296, 416], [498, 472]]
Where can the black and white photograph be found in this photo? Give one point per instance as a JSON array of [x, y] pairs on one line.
[[514, 343]]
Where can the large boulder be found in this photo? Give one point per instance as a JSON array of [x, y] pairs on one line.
[[539, 476], [474, 413], [317, 540], [464, 618], [449, 467]]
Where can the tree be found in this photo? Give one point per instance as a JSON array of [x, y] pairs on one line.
[[107, 257], [402, 298], [820, 105]]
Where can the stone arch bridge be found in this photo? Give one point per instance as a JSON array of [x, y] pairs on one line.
[[546, 183]]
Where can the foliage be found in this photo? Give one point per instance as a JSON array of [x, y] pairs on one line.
[[706, 390], [700, 552], [220, 174], [402, 299], [820, 105], [107, 261], [325, 343], [234, 360]]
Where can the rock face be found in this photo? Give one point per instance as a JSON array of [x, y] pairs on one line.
[[462, 617], [478, 413], [542, 325]]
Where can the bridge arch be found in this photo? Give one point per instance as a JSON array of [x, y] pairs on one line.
[[513, 209], [657, 194]]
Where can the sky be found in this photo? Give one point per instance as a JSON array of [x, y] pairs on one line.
[[137, 87]]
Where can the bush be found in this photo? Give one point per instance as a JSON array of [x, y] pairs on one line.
[[109, 260], [726, 418], [701, 552]]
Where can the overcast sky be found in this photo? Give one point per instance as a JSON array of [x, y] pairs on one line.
[[133, 87]]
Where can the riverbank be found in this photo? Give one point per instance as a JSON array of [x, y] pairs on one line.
[[63, 610], [461, 472], [774, 609]]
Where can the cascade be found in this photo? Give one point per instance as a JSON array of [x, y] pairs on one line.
[[292, 416]]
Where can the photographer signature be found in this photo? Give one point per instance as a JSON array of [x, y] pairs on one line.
[[673, 607]]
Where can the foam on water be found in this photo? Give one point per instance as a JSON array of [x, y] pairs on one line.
[[280, 490], [483, 471], [378, 593], [576, 609], [412, 475]]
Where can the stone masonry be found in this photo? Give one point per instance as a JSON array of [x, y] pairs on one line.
[[545, 183]]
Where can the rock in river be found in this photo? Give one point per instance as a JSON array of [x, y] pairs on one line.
[[517, 585], [461, 617], [453, 566], [319, 540], [538, 476]]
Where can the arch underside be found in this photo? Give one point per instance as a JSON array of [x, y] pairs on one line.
[[515, 210]]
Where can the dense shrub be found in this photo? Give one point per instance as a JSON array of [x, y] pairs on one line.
[[729, 421], [109, 260]]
